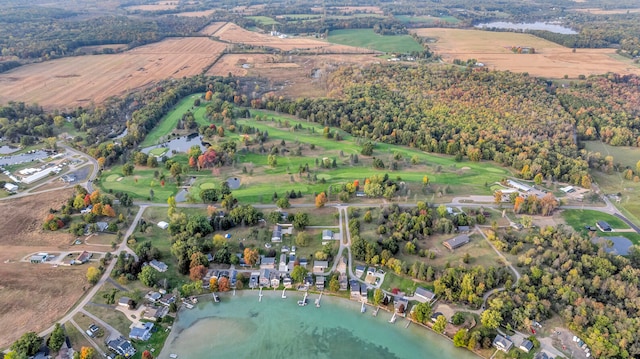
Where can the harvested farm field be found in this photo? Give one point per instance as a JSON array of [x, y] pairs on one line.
[[202, 13], [292, 75], [158, 6], [25, 296], [493, 49], [212, 28], [76, 81], [235, 34]]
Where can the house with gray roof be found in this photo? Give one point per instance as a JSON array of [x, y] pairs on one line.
[[502, 343]]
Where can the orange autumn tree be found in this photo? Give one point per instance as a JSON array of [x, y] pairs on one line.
[[321, 200], [223, 284], [87, 353]]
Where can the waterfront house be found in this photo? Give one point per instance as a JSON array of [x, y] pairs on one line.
[[320, 282], [456, 242], [274, 279], [360, 271], [355, 290], [502, 343], [122, 347], [142, 331], [401, 305], [282, 266], [153, 313], [363, 292], [342, 279], [167, 299], [265, 277], [320, 266], [253, 280], [308, 280], [423, 296], [287, 282]]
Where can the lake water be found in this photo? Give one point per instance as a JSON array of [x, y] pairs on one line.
[[559, 29], [242, 327], [180, 145]]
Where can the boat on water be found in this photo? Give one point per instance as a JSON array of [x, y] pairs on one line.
[[216, 298]]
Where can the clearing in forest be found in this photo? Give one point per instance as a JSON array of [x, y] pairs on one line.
[[367, 38], [78, 81], [493, 49]]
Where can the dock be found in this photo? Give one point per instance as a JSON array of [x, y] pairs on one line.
[[393, 319], [318, 300], [408, 324], [215, 298], [284, 296], [260, 295], [375, 312], [303, 302], [363, 308]]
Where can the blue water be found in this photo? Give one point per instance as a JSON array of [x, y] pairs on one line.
[[243, 327], [559, 29]]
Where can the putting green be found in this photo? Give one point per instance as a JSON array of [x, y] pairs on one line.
[[158, 151], [325, 176], [207, 185], [112, 178]]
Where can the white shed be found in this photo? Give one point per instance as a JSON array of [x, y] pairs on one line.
[[163, 224]]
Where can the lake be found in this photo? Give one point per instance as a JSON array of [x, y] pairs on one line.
[[242, 327], [559, 29]]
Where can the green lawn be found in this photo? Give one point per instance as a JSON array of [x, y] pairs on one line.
[[427, 19], [302, 17], [264, 20], [624, 155], [404, 284], [368, 39], [169, 122], [139, 184], [578, 218]]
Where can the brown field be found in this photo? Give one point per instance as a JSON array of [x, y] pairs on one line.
[[598, 11], [212, 28], [295, 80], [203, 13], [550, 60], [159, 6], [27, 291], [236, 34], [248, 10], [75, 81]]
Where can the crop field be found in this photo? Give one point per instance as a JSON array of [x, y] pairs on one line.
[[248, 10], [76, 81], [202, 13], [493, 49], [292, 73], [353, 9], [366, 38], [600, 11], [212, 28], [25, 298], [264, 20], [236, 34]]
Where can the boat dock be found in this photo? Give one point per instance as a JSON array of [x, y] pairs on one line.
[[363, 308], [375, 312], [303, 302], [318, 300], [284, 296], [408, 324], [260, 295], [393, 319]]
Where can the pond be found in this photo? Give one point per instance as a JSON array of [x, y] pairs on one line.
[[5, 150], [179, 145], [558, 29]]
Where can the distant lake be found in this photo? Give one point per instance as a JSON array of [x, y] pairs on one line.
[[242, 327], [559, 29]]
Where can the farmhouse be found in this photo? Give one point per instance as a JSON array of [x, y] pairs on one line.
[[327, 235], [163, 224], [320, 266], [424, 296], [456, 242], [604, 226], [141, 332], [502, 343]]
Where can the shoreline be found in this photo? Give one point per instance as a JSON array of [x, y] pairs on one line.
[[245, 292]]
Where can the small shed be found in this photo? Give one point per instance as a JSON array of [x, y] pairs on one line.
[[163, 224]]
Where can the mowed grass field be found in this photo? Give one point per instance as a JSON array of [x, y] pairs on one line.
[[368, 39], [170, 121], [624, 155], [264, 20], [493, 49], [426, 19]]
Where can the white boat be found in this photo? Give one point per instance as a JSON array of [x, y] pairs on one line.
[[173, 356]]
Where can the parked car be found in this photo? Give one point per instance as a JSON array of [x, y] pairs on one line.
[[93, 329]]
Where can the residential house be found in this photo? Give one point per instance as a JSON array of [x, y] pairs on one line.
[[327, 235], [268, 263], [39, 258], [604, 226], [233, 278], [274, 278], [122, 347], [125, 302], [434, 316], [284, 249], [401, 305], [163, 224], [355, 290], [320, 282], [159, 266], [541, 355], [463, 229], [142, 331], [308, 280], [320, 266], [456, 242], [253, 280], [303, 262], [526, 345], [363, 292], [83, 258], [360, 271], [153, 313], [342, 279], [10, 187], [265, 280], [502, 343], [152, 296], [276, 235], [287, 282], [282, 266], [167, 299], [424, 296]]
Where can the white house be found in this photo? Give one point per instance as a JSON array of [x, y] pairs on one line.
[[10, 187], [327, 235]]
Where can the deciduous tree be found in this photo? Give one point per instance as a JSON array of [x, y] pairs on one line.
[[56, 340], [93, 275], [321, 200]]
